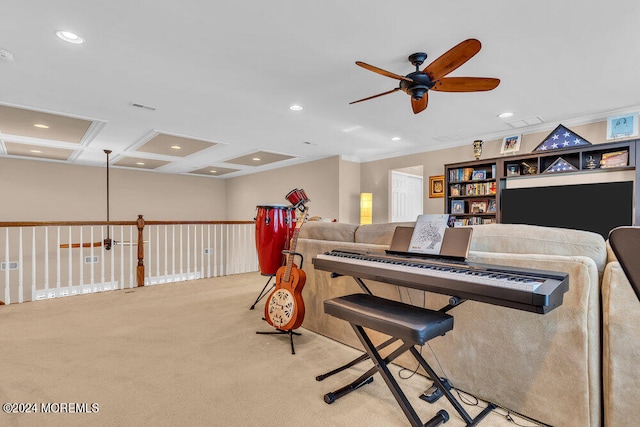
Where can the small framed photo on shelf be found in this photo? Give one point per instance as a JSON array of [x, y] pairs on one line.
[[513, 169], [436, 186], [491, 208], [622, 126], [510, 144], [478, 175], [457, 207], [478, 206]]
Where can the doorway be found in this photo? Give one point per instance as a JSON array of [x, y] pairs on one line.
[[407, 189]]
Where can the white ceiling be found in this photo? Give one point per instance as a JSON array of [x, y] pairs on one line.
[[226, 72]]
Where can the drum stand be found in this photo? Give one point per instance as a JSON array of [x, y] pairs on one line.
[[264, 291]]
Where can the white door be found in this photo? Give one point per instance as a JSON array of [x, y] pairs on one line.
[[406, 196]]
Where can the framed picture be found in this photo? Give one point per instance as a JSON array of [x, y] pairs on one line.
[[510, 144], [513, 170], [478, 206], [622, 126], [436, 186], [478, 175], [492, 206], [457, 206]]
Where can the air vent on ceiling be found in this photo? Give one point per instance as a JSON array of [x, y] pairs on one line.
[[531, 121], [448, 138], [144, 107]]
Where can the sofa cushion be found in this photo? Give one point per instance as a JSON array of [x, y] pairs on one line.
[[378, 234], [533, 239], [320, 230]]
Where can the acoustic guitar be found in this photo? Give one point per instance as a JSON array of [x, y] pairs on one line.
[[284, 308]]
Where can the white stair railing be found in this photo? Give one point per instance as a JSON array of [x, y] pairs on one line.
[[55, 259]]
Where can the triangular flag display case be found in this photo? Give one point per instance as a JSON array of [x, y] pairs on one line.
[[560, 166], [560, 139]]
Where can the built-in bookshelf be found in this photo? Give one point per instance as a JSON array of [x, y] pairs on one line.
[[470, 192], [472, 189]]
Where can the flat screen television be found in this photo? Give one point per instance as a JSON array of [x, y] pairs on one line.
[[593, 207]]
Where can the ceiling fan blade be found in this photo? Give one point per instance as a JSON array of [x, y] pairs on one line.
[[453, 58], [420, 104], [465, 84], [375, 96], [383, 72]]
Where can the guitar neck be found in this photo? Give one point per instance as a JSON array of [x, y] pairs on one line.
[[294, 243]]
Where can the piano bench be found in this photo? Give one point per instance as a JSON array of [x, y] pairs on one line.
[[403, 321]]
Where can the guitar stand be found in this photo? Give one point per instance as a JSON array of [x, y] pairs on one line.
[[282, 332], [263, 292]]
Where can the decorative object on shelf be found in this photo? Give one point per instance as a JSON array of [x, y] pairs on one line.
[[615, 160], [477, 148], [436, 186], [561, 138], [528, 169], [559, 166], [591, 163], [418, 83], [513, 170], [622, 126], [510, 144], [492, 206]]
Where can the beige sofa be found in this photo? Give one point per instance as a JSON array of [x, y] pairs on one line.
[[620, 347], [547, 367]]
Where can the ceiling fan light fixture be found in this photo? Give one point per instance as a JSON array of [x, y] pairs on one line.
[[69, 37]]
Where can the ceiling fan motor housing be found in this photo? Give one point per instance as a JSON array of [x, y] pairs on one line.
[[419, 86]]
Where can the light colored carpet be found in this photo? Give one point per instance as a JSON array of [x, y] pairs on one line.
[[185, 354]]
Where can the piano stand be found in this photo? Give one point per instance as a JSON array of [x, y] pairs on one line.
[[406, 323]]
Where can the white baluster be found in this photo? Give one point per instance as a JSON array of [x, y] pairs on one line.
[[33, 263], [7, 291], [58, 267], [46, 262]]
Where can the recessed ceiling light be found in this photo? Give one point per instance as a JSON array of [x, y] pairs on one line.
[[256, 159], [41, 126], [396, 138], [505, 114], [176, 147], [213, 171], [140, 163], [70, 37], [35, 151], [295, 107]]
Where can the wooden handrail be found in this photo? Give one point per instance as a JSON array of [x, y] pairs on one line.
[[132, 223]]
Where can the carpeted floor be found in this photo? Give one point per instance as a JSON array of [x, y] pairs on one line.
[[184, 354]]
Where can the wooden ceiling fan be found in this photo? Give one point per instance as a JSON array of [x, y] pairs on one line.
[[432, 77]]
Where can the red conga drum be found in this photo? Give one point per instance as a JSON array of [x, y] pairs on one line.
[[274, 229]]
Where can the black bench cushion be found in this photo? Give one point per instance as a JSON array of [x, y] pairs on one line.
[[397, 319]]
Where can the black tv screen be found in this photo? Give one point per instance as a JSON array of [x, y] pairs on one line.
[[592, 207]]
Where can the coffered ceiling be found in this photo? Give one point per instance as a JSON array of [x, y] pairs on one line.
[[204, 88]]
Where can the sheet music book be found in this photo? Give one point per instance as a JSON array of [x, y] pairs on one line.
[[428, 233]]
